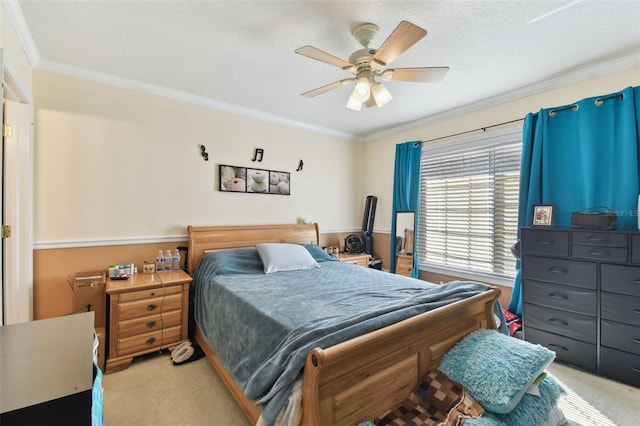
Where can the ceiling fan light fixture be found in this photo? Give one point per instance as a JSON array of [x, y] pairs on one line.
[[381, 95], [387, 75], [354, 103], [362, 90]]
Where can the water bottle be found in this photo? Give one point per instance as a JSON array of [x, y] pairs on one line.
[[176, 260], [168, 261], [160, 261]]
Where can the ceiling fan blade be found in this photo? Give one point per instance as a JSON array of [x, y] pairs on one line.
[[402, 38], [323, 89], [420, 75], [319, 55]]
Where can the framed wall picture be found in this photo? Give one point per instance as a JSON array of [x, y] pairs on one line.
[[279, 183], [258, 180], [543, 215], [232, 179]]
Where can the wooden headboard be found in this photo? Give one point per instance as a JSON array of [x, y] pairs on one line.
[[212, 238]]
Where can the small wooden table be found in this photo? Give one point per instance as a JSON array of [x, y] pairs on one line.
[[360, 259]]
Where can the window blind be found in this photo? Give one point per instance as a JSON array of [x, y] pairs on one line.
[[469, 205]]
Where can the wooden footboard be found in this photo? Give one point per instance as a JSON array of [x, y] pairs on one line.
[[362, 378]]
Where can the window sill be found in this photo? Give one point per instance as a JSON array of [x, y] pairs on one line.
[[474, 276]]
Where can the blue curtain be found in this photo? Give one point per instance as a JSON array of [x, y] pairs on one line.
[[406, 189], [582, 156]]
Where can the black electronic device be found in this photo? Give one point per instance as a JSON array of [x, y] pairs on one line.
[[367, 223]]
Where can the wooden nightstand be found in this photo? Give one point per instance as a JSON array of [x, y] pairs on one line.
[[147, 312], [355, 259], [404, 265]]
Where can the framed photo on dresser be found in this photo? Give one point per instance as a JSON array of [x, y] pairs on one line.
[[543, 215]]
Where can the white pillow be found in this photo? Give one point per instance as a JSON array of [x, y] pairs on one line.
[[277, 257]]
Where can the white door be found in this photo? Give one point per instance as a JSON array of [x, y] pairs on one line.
[[17, 277]]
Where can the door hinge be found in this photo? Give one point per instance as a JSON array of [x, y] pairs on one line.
[[6, 131], [6, 231]]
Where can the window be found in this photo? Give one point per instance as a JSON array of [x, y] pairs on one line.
[[469, 205]]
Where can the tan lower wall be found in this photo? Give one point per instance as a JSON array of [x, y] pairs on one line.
[[52, 295]]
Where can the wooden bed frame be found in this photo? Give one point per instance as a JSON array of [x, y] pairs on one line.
[[361, 378]]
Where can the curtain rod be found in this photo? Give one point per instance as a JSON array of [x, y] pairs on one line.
[[484, 129]]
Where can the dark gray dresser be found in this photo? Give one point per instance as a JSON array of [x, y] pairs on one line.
[[581, 298]]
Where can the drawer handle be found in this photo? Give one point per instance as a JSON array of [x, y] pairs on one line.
[[557, 270], [601, 253], [557, 321], [553, 345], [151, 340], [151, 324], [558, 296], [598, 239], [153, 293], [544, 242], [151, 307]]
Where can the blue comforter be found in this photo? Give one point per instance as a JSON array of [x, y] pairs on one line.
[[262, 326]]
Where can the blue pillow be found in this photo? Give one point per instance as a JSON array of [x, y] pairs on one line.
[[494, 368]]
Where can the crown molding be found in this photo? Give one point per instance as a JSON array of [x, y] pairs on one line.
[[14, 11], [100, 77], [627, 60]]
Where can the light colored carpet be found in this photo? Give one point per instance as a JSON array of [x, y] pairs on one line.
[[152, 391]]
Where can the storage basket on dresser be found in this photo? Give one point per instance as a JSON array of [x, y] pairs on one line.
[[581, 298]]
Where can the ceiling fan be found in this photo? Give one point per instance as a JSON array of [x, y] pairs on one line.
[[368, 65]]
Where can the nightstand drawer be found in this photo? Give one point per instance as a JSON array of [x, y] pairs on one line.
[[548, 243], [604, 254], [561, 271], [143, 308], [564, 323], [620, 279], [621, 308], [602, 239], [574, 299], [568, 350], [148, 294], [620, 365], [147, 324], [620, 336], [148, 341]]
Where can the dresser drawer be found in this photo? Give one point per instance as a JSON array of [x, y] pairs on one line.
[[604, 254], [143, 308], [149, 341], [574, 299], [550, 243], [620, 336], [620, 365], [568, 350], [148, 294], [619, 307], [149, 323], [620, 279], [635, 248], [601, 239], [565, 323], [561, 271]]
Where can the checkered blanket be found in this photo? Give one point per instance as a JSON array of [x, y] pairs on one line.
[[436, 401]]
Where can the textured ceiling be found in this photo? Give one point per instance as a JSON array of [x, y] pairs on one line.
[[240, 54]]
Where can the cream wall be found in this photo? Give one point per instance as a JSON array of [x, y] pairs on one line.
[[379, 154], [114, 163]]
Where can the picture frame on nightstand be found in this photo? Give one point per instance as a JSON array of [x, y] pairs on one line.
[[543, 215]]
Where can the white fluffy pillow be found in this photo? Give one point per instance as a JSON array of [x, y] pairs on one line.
[[277, 257]]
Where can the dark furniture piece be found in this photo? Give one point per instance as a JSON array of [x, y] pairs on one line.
[[581, 298]]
